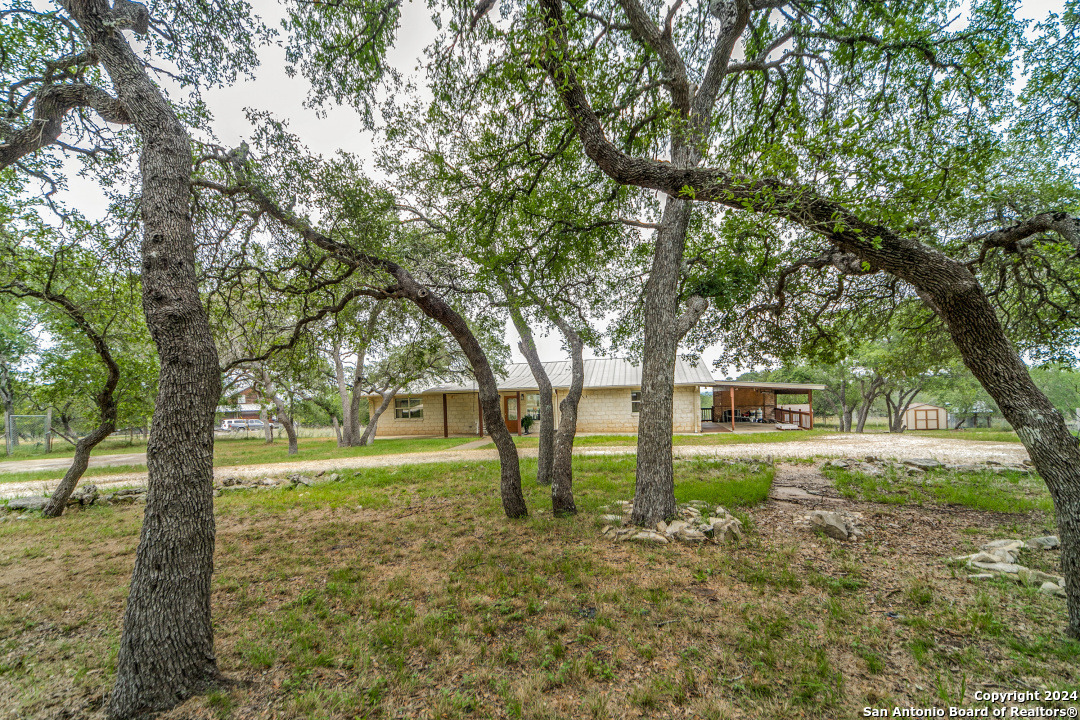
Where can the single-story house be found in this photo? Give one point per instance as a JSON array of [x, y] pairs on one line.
[[610, 401], [923, 416]]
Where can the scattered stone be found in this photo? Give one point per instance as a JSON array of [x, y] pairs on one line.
[[923, 463], [298, 479], [320, 473], [675, 526], [1007, 568], [721, 512], [649, 536], [616, 520], [690, 535], [1047, 542], [831, 523], [981, 576], [1052, 589], [726, 530], [34, 502], [1005, 544], [1035, 577], [334, 477]]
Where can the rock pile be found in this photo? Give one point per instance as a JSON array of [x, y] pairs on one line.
[[84, 495], [696, 522], [875, 466], [999, 559], [837, 524]]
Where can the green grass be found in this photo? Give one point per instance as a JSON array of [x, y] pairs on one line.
[[405, 592], [254, 451], [979, 434], [1005, 492]]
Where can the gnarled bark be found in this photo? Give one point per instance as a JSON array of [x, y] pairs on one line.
[[562, 476], [546, 455]]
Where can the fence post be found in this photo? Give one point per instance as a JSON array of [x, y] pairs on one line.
[[7, 433], [48, 431]]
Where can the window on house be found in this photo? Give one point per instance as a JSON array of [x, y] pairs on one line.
[[408, 408], [635, 401]]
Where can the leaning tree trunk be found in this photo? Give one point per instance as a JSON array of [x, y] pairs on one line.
[[268, 432], [545, 457], [654, 493], [166, 649], [368, 438], [562, 485], [956, 296], [439, 310], [282, 412], [344, 432]]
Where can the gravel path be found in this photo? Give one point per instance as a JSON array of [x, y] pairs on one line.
[[897, 447]]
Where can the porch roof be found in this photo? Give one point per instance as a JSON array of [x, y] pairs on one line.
[[780, 387]]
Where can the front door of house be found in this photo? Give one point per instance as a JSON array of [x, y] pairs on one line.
[[510, 412]]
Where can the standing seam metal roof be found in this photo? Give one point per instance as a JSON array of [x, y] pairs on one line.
[[599, 373]]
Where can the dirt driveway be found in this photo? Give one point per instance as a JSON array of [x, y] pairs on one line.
[[897, 447]]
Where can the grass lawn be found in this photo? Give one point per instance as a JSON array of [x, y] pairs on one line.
[[985, 434], [252, 451], [983, 490], [405, 593]]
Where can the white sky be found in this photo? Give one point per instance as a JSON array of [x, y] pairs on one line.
[[272, 90]]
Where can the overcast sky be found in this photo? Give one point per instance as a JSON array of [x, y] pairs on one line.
[[272, 90]]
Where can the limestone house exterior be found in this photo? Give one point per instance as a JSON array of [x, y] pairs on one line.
[[609, 400]]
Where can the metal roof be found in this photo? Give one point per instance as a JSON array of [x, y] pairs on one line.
[[781, 386], [599, 373]]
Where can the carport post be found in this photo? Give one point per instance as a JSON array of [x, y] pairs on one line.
[[732, 388], [810, 406], [479, 416], [445, 424]]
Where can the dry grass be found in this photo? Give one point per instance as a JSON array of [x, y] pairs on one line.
[[403, 592]]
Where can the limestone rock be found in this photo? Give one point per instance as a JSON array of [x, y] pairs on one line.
[[1035, 577], [1005, 544], [334, 477], [34, 502], [1052, 589], [690, 535], [832, 524], [1047, 542], [1008, 568], [649, 536], [616, 520], [923, 463], [726, 530], [981, 576]]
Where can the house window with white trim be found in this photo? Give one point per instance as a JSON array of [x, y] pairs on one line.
[[635, 401], [408, 408]]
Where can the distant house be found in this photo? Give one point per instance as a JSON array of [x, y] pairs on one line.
[[922, 416], [249, 403], [610, 401]]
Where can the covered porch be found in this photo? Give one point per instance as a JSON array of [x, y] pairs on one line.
[[749, 406]]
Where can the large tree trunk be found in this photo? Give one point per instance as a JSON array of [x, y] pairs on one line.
[[654, 492], [546, 455], [954, 293], [345, 436], [562, 485], [282, 411], [368, 437], [437, 309], [899, 407], [166, 649], [268, 432]]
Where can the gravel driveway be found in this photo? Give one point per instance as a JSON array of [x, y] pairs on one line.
[[897, 447]]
